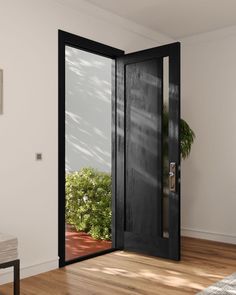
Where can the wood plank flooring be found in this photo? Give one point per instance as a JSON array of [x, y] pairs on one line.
[[203, 263]]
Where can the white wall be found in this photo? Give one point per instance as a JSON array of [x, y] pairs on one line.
[[88, 110], [209, 104], [28, 55]]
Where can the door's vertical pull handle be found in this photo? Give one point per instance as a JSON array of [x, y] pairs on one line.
[[172, 177]]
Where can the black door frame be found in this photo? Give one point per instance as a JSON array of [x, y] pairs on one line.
[[68, 39]]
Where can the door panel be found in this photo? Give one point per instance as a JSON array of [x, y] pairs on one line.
[[140, 151], [143, 146]]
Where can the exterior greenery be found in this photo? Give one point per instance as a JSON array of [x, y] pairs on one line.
[[88, 192], [88, 202]]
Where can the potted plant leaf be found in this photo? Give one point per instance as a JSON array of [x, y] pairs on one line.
[[187, 137]]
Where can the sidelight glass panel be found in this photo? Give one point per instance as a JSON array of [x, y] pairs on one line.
[[88, 153], [166, 147]]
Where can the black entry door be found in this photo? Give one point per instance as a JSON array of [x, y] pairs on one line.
[[142, 146]]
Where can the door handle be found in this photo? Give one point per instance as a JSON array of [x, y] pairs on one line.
[[172, 177]]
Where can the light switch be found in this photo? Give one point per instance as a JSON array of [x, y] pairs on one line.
[[39, 157]]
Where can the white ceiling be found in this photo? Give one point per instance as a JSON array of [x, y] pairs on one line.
[[175, 18]]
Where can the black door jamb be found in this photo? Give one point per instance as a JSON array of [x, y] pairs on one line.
[[67, 39]]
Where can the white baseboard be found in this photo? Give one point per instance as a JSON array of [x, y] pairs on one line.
[[6, 276], [206, 235]]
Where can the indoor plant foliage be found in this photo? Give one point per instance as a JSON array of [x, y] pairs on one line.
[[187, 136], [88, 202], [186, 140]]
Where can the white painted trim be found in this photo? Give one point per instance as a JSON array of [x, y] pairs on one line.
[[6, 276], [206, 235]]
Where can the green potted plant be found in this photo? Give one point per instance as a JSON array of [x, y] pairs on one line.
[[187, 137]]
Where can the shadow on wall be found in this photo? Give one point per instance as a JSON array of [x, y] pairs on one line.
[[88, 110]]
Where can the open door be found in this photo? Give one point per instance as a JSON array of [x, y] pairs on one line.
[[147, 144]]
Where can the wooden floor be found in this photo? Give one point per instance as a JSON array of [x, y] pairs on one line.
[[203, 263]]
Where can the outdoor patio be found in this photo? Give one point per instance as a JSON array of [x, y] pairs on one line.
[[80, 244]]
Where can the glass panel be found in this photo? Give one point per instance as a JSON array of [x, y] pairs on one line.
[[165, 147], [88, 153]]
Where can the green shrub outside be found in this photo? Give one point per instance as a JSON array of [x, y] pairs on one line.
[[88, 202]]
